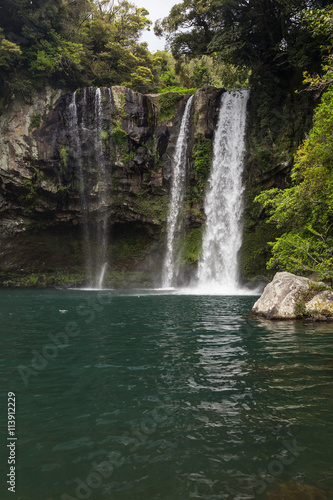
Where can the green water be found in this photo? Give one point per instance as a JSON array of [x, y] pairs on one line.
[[155, 396]]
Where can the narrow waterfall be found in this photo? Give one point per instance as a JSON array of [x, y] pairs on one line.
[[76, 142], [174, 220], [87, 126], [218, 268], [102, 195]]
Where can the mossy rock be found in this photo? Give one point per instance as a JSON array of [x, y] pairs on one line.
[[192, 247], [168, 105], [255, 250], [119, 136], [152, 206]]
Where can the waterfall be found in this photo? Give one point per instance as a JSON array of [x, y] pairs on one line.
[[89, 129], [218, 268], [76, 142], [102, 195], [174, 220]]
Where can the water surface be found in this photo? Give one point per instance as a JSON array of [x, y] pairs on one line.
[[160, 396]]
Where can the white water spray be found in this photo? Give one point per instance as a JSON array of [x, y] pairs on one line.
[[95, 236], [174, 221], [218, 268], [102, 196], [76, 141]]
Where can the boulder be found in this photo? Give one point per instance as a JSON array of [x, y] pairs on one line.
[[322, 303], [289, 297], [280, 297]]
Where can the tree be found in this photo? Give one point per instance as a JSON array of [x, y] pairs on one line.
[[164, 68], [305, 210], [254, 33], [74, 43], [9, 51]]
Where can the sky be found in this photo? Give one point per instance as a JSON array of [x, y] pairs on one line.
[[157, 10]]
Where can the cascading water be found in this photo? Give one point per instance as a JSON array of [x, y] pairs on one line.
[[102, 195], [170, 266], [89, 129], [218, 268], [76, 142]]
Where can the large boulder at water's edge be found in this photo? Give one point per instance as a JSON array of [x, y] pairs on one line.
[[289, 297]]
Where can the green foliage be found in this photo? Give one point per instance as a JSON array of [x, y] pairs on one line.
[[303, 252], [305, 210], [9, 51], [200, 162], [128, 247], [119, 136], [202, 158], [152, 206], [130, 279], [164, 66], [305, 296], [168, 104], [141, 76], [63, 155], [255, 250], [263, 154], [179, 90], [97, 42], [38, 279], [33, 183], [76, 44], [127, 158], [211, 70], [35, 120], [58, 54], [192, 247], [30, 199], [252, 34], [320, 23]]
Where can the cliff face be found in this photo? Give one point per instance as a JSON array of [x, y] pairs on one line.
[[51, 153], [71, 159]]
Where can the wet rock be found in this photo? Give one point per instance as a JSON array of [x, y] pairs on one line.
[[46, 148], [206, 110], [296, 491]]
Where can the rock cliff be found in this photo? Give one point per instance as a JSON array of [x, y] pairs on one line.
[[50, 153]]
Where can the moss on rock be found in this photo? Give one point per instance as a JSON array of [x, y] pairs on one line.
[[167, 105]]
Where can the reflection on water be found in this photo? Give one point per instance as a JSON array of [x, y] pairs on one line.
[[162, 396]]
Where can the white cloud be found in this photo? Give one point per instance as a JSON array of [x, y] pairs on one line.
[[157, 10]]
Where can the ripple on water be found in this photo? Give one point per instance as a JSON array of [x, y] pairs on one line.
[[185, 397]]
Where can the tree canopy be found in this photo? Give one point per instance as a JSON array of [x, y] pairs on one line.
[[254, 33], [305, 210], [75, 43]]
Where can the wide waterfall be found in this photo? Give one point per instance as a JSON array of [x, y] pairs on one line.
[[87, 127], [218, 268], [174, 221]]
